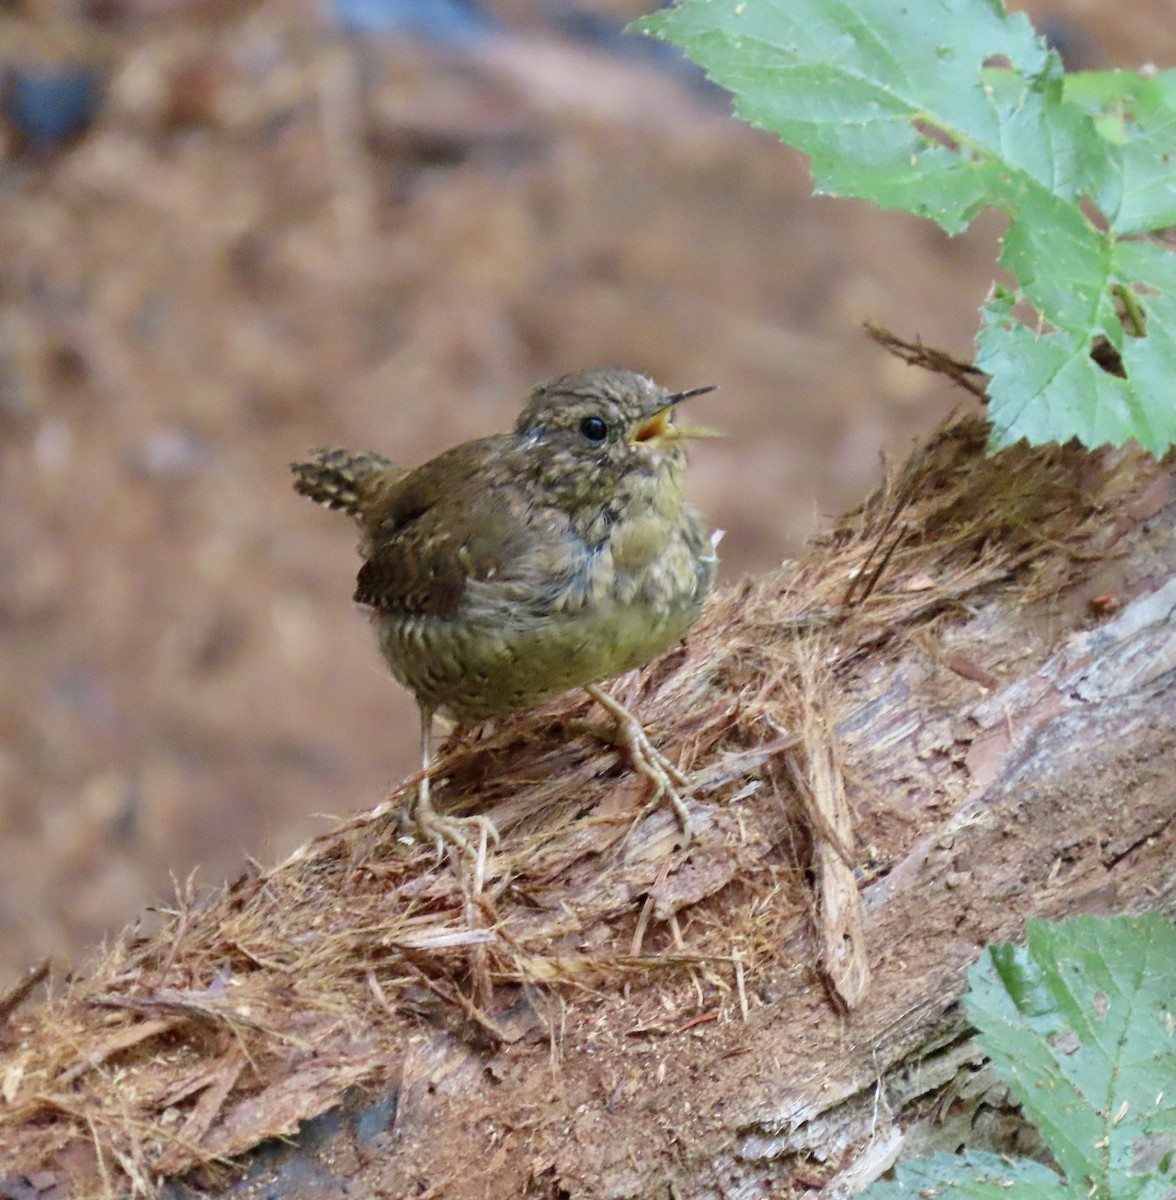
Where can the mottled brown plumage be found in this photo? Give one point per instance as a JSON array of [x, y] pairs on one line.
[[517, 566]]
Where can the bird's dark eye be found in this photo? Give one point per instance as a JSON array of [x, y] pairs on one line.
[[594, 429]]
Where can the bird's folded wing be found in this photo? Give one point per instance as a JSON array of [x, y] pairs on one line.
[[430, 546]]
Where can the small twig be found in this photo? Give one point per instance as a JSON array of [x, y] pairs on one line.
[[739, 985], [378, 992], [647, 910], [104, 1173], [17, 995], [193, 1005], [642, 926], [858, 593], [185, 901], [119, 1041], [676, 932], [915, 354], [701, 1019], [872, 580]]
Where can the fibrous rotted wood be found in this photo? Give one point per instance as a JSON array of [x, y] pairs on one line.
[[952, 714]]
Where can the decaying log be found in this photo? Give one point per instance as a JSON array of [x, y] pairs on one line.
[[956, 711]]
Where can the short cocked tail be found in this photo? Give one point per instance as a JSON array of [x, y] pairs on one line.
[[341, 479]]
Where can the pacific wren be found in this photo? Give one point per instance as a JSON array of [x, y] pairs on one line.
[[517, 566]]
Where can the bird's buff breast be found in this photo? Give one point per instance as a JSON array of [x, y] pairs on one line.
[[473, 674], [503, 655]]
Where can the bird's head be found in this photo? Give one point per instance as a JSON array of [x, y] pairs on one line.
[[595, 436]]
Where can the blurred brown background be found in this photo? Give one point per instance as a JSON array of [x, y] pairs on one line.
[[275, 235]]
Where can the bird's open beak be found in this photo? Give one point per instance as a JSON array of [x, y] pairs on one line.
[[660, 425]]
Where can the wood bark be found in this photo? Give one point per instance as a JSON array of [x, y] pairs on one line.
[[1003, 756]]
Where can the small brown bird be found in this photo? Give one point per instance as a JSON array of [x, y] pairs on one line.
[[514, 567]]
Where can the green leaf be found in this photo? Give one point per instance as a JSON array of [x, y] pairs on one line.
[[950, 107], [1044, 385], [978, 1175], [1137, 114], [1080, 1022]]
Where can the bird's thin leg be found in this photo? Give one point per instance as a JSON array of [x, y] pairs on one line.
[[645, 757], [427, 819]]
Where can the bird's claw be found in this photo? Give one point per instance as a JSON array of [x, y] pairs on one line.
[[649, 761], [455, 831]]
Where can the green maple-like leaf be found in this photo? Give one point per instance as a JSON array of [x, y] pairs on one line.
[[952, 106], [973, 1176], [1080, 1022]]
